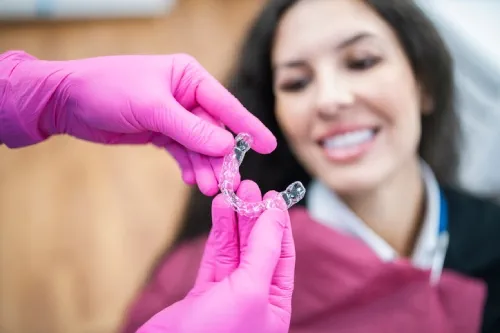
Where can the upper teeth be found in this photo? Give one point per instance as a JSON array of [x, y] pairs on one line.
[[349, 139]]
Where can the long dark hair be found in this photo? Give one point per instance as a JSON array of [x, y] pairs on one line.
[[252, 83]]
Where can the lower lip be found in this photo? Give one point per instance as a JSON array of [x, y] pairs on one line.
[[349, 154]]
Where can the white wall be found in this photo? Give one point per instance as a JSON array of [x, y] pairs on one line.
[[471, 28]]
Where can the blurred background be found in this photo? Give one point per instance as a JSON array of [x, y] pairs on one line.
[[80, 224]]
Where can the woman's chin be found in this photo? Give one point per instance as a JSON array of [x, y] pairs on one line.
[[350, 189], [353, 183]]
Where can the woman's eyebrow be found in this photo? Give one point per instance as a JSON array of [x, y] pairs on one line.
[[353, 40], [297, 63], [290, 64]]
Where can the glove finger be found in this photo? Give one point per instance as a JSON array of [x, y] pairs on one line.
[[206, 271], [248, 191], [263, 251], [191, 131], [214, 98], [221, 253], [204, 174], [283, 277], [225, 238], [198, 111], [181, 156]]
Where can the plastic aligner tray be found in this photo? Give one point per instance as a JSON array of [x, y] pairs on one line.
[[283, 200]]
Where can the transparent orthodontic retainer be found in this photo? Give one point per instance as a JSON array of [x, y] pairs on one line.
[[230, 167]]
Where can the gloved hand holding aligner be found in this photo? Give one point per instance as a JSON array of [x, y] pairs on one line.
[[283, 200]]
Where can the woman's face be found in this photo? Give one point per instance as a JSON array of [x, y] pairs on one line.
[[346, 97]]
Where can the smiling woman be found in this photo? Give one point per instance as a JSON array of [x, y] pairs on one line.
[[340, 104], [362, 93]]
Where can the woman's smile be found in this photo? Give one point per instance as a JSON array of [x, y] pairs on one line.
[[348, 144]]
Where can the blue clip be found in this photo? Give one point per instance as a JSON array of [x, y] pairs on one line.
[[442, 243]]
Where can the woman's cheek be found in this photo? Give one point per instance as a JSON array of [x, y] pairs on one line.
[[293, 112]]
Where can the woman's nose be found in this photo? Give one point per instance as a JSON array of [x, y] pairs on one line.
[[333, 95]]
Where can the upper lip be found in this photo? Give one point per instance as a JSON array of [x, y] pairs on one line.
[[342, 129]]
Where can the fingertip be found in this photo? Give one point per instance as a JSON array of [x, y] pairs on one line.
[[248, 190], [220, 201], [270, 195], [276, 215], [188, 177], [217, 101], [209, 189], [265, 142], [207, 183]]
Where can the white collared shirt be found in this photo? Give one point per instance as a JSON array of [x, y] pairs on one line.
[[326, 207]]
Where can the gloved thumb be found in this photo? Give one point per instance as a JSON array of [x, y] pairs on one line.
[[263, 250], [194, 133]]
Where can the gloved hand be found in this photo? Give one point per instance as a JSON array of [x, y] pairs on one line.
[[245, 281], [168, 100]]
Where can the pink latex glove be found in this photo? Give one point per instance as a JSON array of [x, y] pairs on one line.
[[245, 281], [158, 99]]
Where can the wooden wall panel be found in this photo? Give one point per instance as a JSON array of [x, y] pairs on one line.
[[80, 223]]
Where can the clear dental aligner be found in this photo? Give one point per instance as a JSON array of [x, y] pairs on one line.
[[283, 200]]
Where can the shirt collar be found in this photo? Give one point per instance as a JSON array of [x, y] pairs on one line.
[[326, 207]]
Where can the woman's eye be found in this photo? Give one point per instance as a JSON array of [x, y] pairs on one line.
[[292, 86], [363, 64]]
